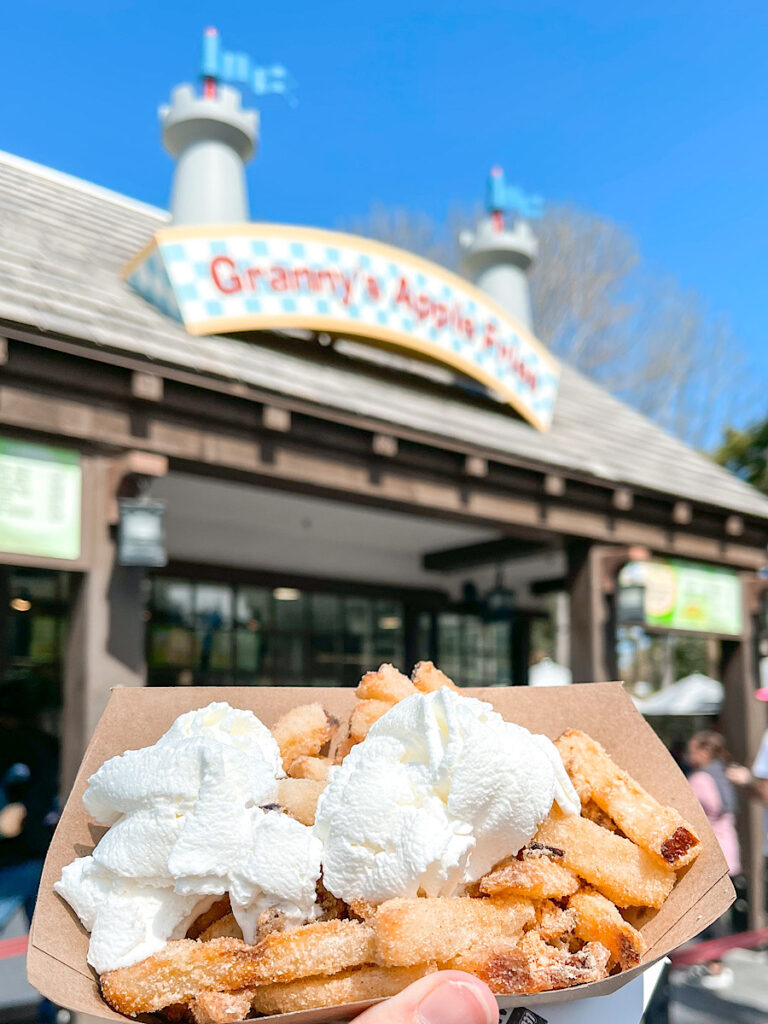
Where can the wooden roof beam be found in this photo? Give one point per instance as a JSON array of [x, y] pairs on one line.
[[487, 552]]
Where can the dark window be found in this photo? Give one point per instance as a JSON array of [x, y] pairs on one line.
[[221, 633], [34, 608]]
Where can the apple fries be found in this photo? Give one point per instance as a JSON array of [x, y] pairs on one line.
[[224, 928], [419, 930], [186, 968], [536, 877], [347, 987], [298, 797], [380, 690], [307, 767], [221, 1007], [554, 924], [364, 714], [543, 918], [534, 966], [660, 830], [626, 874], [302, 731], [214, 913], [426, 678], [598, 920], [387, 684]]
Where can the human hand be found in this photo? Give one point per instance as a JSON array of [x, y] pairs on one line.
[[738, 774], [447, 997], [12, 820]]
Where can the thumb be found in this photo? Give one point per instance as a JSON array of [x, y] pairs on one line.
[[447, 997]]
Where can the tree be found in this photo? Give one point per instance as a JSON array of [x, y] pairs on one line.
[[600, 308], [636, 332], [745, 453]]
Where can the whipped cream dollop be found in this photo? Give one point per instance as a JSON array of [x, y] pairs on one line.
[[440, 790], [192, 817]]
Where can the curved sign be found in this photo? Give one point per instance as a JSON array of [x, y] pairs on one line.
[[220, 279]]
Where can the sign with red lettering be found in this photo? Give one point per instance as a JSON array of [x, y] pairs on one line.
[[252, 277]]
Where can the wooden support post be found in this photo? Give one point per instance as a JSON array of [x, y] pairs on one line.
[[587, 658], [105, 646], [744, 721], [592, 628], [592, 583]]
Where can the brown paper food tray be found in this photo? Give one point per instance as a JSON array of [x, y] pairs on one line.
[[56, 963]]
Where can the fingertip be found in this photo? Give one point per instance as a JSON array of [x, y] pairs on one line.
[[443, 997], [458, 998]]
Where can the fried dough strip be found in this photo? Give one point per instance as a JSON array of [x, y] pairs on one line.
[[341, 744], [598, 920], [426, 677], [176, 974], [214, 913], [347, 987], [307, 767], [325, 947], [298, 797], [597, 814], [364, 714], [185, 968], [270, 920], [221, 1007], [553, 923], [386, 684], [302, 731], [625, 873], [537, 878], [225, 928], [532, 966], [363, 909], [420, 930], [660, 830]]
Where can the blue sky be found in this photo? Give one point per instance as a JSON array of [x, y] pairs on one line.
[[655, 115]]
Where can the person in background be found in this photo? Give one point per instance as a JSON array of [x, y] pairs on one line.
[[28, 811], [754, 783], [707, 760]]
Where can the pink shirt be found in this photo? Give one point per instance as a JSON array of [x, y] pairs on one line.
[[723, 825]]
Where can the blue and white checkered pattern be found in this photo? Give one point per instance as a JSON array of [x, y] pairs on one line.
[[150, 280], [337, 284]]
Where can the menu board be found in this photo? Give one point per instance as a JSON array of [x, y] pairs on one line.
[[687, 596], [40, 500]]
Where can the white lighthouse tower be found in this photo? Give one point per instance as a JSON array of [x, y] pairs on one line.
[[212, 137], [497, 255]]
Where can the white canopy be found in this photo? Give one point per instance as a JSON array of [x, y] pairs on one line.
[[549, 673], [696, 694]]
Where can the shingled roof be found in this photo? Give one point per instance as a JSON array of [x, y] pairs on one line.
[[63, 243]]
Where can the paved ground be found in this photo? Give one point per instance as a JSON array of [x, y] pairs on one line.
[[15, 992], [745, 1001]]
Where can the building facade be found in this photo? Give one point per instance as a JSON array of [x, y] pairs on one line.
[[329, 505]]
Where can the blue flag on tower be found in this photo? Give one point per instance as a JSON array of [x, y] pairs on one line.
[[219, 65], [502, 198]]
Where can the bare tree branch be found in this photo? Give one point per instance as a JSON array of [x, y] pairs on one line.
[[600, 309]]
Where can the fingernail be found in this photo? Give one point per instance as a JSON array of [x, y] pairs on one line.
[[454, 1002]]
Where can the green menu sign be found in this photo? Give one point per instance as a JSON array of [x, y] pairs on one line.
[[40, 500], [688, 596]]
